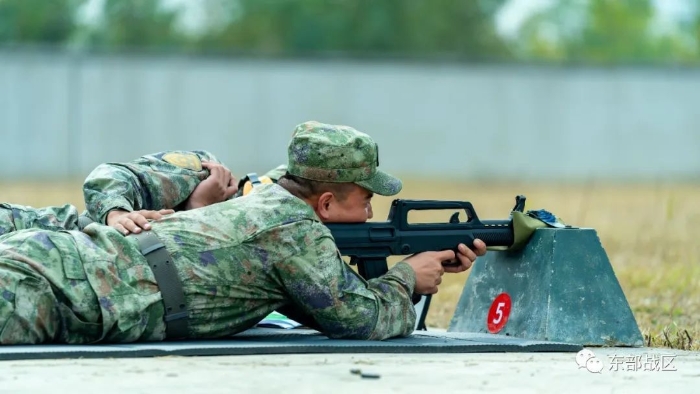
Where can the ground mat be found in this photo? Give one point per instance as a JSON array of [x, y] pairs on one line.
[[294, 341]]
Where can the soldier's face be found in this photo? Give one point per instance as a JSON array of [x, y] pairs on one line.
[[356, 207]]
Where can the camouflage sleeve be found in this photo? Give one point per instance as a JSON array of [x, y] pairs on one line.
[[156, 181], [14, 217], [342, 303]]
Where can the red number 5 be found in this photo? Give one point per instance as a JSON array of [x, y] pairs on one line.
[[498, 313]]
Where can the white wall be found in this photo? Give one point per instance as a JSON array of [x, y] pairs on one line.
[[61, 115]]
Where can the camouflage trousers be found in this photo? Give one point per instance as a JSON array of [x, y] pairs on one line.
[[44, 294], [14, 217]]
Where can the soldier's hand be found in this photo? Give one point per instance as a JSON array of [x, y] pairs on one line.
[[133, 222], [428, 268], [219, 186], [466, 257]]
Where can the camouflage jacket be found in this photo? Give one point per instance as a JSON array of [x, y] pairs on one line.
[[162, 180], [14, 217], [244, 258], [240, 260], [156, 181]]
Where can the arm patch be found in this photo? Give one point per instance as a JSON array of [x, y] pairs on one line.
[[188, 161]]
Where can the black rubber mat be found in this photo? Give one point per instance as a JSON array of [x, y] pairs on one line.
[[297, 341]]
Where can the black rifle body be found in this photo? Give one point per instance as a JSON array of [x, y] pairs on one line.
[[369, 244]]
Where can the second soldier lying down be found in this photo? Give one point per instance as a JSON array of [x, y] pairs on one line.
[[127, 195]]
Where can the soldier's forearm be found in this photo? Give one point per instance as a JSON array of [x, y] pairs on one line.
[[111, 187]]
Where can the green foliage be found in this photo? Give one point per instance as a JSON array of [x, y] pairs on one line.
[[616, 30], [415, 27], [577, 31], [603, 32], [141, 24], [37, 21]]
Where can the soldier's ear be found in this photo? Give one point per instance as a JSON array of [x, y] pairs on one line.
[[323, 206]]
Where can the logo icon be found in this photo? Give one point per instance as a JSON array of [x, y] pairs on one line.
[[586, 359]]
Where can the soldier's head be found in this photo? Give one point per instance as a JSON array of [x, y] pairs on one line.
[[334, 169]]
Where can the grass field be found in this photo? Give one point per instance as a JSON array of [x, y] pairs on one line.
[[650, 232]]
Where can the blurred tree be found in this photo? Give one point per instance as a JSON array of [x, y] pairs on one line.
[[601, 32], [617, 31], [577, 31], [413, 27], [462, 27], [135, 24], [694, 26], [37, 21]]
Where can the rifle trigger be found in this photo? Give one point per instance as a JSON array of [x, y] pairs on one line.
[[454, 218]]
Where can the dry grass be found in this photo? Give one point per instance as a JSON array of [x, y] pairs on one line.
[[650, 233]]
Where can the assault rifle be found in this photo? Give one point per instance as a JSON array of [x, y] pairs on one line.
[[369, 244]]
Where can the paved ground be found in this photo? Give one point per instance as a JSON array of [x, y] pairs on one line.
[[638, 371]]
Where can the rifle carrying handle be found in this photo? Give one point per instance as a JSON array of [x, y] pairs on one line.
[[405, 206]]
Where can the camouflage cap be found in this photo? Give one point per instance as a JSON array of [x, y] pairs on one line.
[[335, 153]]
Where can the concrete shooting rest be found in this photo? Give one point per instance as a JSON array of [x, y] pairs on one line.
[[559, 287]]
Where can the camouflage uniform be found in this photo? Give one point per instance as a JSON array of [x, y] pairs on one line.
[[15, 217], [237, 261], [156, 181]]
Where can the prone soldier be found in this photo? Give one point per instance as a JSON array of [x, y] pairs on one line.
[[128, 195], [218, 270]]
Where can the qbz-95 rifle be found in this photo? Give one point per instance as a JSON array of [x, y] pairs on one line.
[[369, 244]]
